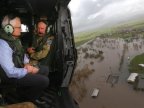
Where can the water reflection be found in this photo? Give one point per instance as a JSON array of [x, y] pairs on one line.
[[103, 63]]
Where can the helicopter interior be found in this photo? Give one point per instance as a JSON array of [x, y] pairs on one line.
[[62, 58]]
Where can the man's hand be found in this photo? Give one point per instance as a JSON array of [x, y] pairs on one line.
[[35, 70], [30, 50], [31, 69]]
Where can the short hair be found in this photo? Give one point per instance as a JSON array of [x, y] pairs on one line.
[[9, 19], [44, 21]]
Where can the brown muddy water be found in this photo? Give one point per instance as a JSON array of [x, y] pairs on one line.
[[99, 61]]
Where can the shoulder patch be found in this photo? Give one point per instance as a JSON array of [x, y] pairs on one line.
[[49, 41]]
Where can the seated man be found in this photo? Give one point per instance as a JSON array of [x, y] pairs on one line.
[[41, 44], [15, 69]]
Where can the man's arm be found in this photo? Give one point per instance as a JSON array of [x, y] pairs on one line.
[[42, 53], [7, 64]]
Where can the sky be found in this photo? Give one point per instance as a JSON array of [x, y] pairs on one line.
[[89, 14]]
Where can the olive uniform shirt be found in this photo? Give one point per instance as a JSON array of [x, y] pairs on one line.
[[38, 55]]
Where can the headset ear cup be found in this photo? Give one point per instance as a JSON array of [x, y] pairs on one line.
[[48, 29], [9, 29]]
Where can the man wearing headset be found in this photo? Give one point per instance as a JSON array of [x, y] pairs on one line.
[[41, 44], [14, 65]]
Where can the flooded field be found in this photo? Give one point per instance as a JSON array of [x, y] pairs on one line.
[[103, 64]]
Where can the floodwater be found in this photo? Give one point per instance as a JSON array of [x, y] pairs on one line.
[[94, 72]]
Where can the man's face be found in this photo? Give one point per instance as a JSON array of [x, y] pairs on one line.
[[41, 28], [17, 28]]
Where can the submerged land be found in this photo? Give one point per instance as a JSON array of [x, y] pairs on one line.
[[105, 60], [127, 31]]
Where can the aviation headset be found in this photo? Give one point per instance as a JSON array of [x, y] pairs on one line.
[[8, 28]]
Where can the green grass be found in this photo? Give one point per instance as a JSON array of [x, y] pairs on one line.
[[134, 67], [78, 43], [83, 37]]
